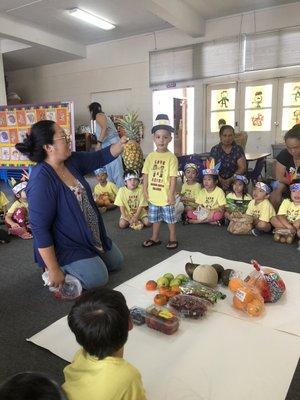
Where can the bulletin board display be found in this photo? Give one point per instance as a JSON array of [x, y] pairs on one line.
[[16, 121]]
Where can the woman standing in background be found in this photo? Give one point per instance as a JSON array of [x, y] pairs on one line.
[[107, 134]]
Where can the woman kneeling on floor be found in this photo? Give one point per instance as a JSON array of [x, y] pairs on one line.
[[68, 231]]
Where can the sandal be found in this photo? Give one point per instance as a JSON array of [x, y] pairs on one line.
[[172, 245], [150, 243]]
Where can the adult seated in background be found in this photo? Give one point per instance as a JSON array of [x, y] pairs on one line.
[[107, 134], [287, 161], [68, 231], [230, 155]]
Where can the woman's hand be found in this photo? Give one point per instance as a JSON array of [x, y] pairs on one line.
[[56, 277], [117, 148]]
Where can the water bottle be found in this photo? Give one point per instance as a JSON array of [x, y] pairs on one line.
[[70, 290]]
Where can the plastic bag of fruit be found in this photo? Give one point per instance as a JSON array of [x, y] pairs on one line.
[[189, 306], [248, 299], [199, 290], [267, 281], [284, 235]]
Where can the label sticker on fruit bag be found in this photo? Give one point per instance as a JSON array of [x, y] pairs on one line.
[[165, 314], [240, 294]]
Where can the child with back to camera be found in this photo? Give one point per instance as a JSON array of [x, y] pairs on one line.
[[130, 199], [159, 183], [210, 200], [100, 321]]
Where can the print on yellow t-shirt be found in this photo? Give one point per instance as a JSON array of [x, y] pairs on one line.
[[131, 200], [290, 210]]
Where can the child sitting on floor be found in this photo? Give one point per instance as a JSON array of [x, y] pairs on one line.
[[288, 216], [17, 215], [210, 200], [3, 207], [130, 199], [261, 209], [238, 199], [190, 189], [100, 321], [105, 191]]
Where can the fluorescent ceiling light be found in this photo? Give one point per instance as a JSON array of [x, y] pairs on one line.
[[91, 19]]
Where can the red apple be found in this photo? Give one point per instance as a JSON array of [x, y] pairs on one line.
[[160, 299], [151, 285]]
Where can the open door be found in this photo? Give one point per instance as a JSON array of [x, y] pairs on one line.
[[180, 125]]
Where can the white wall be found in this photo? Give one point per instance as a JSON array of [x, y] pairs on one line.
[[2, 83], [124, 64]]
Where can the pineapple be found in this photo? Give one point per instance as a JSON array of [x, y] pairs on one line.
[[132, 155]]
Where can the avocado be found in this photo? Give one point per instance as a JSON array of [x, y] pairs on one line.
[[189, 269], [219, 269], [226, 276]]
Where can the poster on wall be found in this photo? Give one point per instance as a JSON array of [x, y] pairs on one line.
[[15, 123]]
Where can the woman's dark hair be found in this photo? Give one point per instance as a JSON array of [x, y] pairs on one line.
[[224, 127], [30, 385], [293, 133], [95, 108], [100, 321], [41, 133]]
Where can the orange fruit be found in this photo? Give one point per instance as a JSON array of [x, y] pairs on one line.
[[238, 303], [235, 284], [245, 294], [255, 308], [160, 300]]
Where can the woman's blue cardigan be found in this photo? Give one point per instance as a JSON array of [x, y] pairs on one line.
[[54, 212]]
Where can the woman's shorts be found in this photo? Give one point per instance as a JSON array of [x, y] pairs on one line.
[[161, 213]]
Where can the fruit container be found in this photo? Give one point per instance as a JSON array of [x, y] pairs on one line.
[[189, 306], [197, 289], [137, 315], [162, 319]]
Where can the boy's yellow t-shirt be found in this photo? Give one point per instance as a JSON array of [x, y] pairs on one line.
[[211, 200], [264, 211], [113, 378], [3, 201], [17, 204], [131, 200], [160, 167], [191, 191], [290, 210], [109, 188]]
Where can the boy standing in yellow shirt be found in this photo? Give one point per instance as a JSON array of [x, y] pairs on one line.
[[100, 321], [261, 209], [159, 183]]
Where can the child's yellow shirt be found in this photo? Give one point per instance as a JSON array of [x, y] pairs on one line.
[[289, 209], [110, 188], [17, 204], [131, 200], [113, 378], [191, 191], [264, 211], [3, 201], [211, 200], [160, 167]]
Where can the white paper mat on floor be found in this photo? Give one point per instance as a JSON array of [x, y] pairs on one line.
[[283, 315], [218, 358]]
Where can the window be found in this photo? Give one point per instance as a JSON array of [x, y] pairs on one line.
[[291, 105], [222, 106], [258, 108]]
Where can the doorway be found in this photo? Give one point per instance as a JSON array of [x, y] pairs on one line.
[[178, 104]]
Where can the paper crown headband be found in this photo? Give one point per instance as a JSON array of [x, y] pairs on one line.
[[131, 175], [211, 168], [190, 166], [162, 122], [242, 178], [295, 187], [263, 186]]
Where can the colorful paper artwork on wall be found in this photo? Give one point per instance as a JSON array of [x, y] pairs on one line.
[[15, 123], [291, 105], [222, 106]]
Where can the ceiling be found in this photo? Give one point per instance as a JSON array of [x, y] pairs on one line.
[[55, 36]]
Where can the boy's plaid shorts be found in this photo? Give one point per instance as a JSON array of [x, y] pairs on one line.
[[161, 213]]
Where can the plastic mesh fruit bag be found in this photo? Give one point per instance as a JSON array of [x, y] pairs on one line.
[[248, 299]]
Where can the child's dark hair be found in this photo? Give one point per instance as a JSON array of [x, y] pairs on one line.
[[214, 177], [245, 188], [41, 133], [100, 321], [95, 108], [293, 133], [30, 385]]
